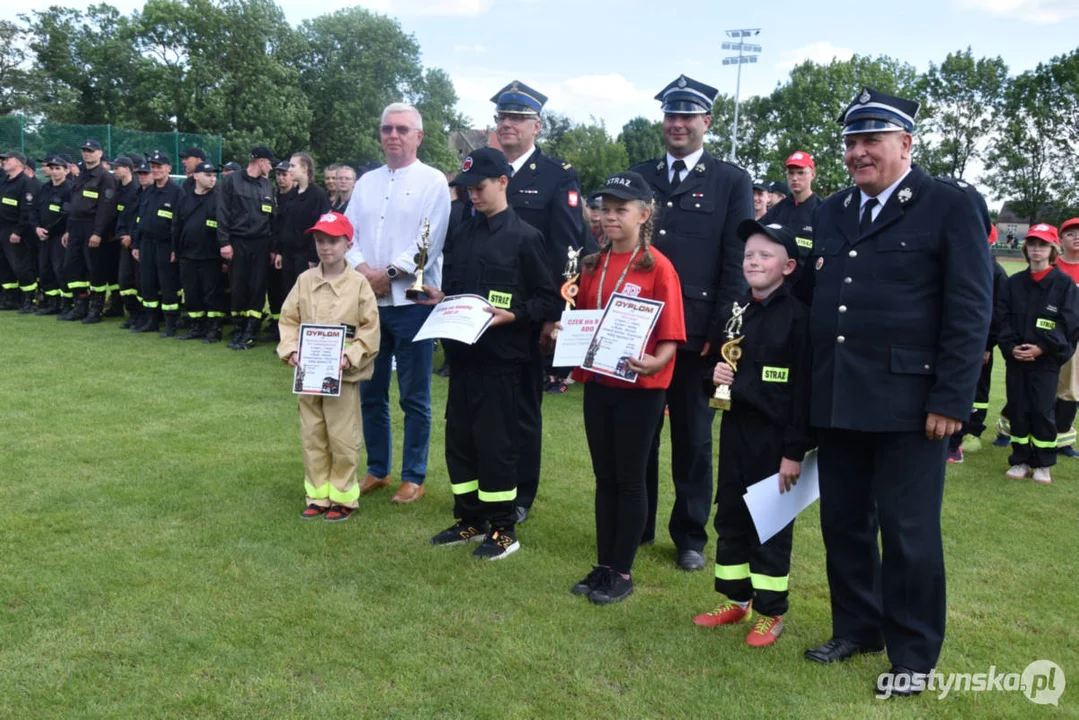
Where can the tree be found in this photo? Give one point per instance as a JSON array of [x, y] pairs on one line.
[[554, 128], [967, 95], [14, 77], [436, 99], [643, 140], [593, 153], [756, 149]]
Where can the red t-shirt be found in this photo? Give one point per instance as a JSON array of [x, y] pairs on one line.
[[1070, 269], [659, 283]]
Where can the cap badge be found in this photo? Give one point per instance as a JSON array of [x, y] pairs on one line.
[[846, 203], [864, 97], [820, 263], [682, 81], [905, 195], [328, 218], [467, 164], [699, 169], [797, 156], [1042, 227]]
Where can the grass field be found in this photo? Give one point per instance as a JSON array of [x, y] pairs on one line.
[[154, 565]]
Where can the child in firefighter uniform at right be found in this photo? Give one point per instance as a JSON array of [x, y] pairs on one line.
[[765, 431], [1039, 324]]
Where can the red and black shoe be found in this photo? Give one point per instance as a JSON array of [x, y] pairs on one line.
[[313, 511], [339, 513]]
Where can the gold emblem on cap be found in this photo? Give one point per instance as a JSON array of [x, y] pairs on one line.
[[905, 195], [864, 97]]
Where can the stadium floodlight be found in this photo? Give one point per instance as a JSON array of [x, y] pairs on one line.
[[740, 59]]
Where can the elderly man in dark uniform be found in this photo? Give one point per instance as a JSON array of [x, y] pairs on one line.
[[900, 313], [546, 193], [699, 203]]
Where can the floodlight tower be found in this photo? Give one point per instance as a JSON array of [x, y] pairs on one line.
[[747, 53]]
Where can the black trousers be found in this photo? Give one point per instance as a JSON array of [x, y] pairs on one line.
[[750, 450], [620, 424], [482, 444], [104, 263], [129, 270], [976, 424], [51, 266], [76, 263], [276, 292], [201, 281], [160, 279], [530, 418], [248, 274], [1065, 411], [691, 456], [293, 264], [8, 282], [892, 483], [1031, 404], [18, 258]]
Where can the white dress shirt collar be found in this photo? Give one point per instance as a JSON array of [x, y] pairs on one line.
[[520, 162], [690, 160], [882, 199]]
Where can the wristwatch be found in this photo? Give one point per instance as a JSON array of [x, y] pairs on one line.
[[392, 272]]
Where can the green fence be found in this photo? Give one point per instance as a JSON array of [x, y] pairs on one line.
[[37, 140]]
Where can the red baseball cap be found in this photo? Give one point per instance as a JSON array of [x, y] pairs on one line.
[[1069, 224], [1045, 232], [993, 235], [800, 159], [333, 224]]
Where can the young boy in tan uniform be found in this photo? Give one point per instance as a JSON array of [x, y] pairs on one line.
[[330, 427]]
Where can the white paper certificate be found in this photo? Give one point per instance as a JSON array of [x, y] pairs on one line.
[[318, 368], [578, 328], [622, 334], [457, 317], [771, 512]]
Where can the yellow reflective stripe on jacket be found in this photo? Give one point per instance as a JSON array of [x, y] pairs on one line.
[[981, 406], [775, 374], [804, 242], [211, 223], [54, 208], [465, 487], [732, 572], [167, 214], [342, 498], [315, 493], [267, 208], [768, 582], [502, 496], [10, 201], [1045, 324], [90, 194]]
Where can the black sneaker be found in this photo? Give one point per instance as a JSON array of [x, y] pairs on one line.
[[591, 581], [497, 545], [460, 534], [613, 588]]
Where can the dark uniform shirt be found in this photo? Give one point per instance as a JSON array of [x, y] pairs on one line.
[[1040, 312], [697, 229], [127, 208], [798, 218], [93, 199], [194, 227], [157, 211], [245, 208], [51, 207], [16, 200], [296, 213], [500, 259], [774, 372]]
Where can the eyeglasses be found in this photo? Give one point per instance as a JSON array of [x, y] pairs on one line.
[[513, 118], [402, 130]]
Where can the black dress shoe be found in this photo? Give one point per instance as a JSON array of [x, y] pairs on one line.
[[838, 649], [900, 682], [691, 560]]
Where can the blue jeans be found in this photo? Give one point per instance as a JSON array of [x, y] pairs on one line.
[[414, 361]]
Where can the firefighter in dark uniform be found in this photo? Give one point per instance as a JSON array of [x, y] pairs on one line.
[[699, 201], [276, 290], [127, 212], [191, 158], [546, 193], [496, 255], [33, 243], [49, 218], [16, 201], [795, 212], [901, 309], [245, 210], [152, 247], [89, 229], [194, 244]]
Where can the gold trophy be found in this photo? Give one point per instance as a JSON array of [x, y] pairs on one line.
[[731, 353], [570, 275], [421, 261]]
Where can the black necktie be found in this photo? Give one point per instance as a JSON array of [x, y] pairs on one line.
[[677, 166], [867, 215]]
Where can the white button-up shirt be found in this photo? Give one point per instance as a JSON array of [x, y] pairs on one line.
[[882, 199], [387, 211]]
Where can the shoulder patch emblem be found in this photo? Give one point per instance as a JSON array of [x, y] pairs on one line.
[[820, 262], [573, 198], [566, 166]]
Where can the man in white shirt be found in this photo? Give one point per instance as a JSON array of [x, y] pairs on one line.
[[388, 209]]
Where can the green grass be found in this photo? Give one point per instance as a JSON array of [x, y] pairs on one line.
[[154, 565]]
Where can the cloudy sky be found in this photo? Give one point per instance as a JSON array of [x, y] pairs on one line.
[[607, 60]]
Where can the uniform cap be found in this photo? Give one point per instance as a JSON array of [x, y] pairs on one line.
[[626, 186], [874, 111], [481, 164], [193, 152], [774, 232], [1043, 231], [1074, 222], [123, 161], [261, 152], [205, 167], [233, 166], [137, 158], [800, 159], [142, 167], [30, 163], [14, 154], [333, 224], [157, 157], [282, 166], [56, 160], [518, 99], [91, 144], [760, 185], [686, 96], [779, 187]]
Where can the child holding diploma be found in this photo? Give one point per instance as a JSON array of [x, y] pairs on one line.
[[620, 417], [332, 293], [765, 431]]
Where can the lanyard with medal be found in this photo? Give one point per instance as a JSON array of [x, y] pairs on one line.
[[618, 282]]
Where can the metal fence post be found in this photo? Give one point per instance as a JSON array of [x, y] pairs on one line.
[[176, 144], [22, 134], [108, 140]]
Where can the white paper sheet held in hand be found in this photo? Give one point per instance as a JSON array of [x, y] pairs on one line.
[[772, 511], [575, 337], [458, 317]]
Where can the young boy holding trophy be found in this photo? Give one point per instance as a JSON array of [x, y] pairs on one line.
[[762, 385]]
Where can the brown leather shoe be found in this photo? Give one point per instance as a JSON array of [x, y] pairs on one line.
[[408, 492], [370, 483]]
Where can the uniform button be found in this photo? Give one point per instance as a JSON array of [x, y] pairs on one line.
[[853, 253], [925, 366], [662, 232], [842, 308], [847, 281], [670, 204], [903, 243], [841, 339], [697, 205]]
